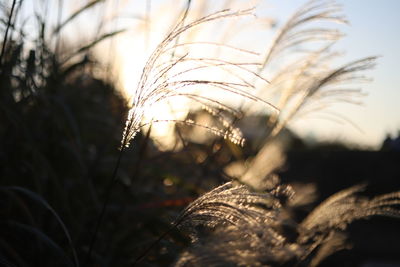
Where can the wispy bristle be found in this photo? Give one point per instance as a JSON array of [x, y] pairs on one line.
[[164, 78], [233, 225], [234, 204], [305, 81]]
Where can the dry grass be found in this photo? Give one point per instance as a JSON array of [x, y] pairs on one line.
[[164, 78], [233, 224], [60, 147]]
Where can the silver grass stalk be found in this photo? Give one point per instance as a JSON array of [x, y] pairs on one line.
[[235, 205], [248, 245], [328, 221], [344, 207], [239, 224], [241, 227], [163, 78], [315, 90], [233, 225], [307, 85], [305, 82], [296, 32]]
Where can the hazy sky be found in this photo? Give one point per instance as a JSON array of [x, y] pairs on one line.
[[374, 30]]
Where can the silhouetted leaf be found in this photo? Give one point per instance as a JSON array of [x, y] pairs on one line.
[[75, 14], [41, 201]]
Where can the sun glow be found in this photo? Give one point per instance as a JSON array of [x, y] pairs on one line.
[[202, 64], [173, 109], [132, 52]]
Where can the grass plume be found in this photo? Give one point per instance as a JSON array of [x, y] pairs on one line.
[[233, 224], [159, 80], [299, 62]]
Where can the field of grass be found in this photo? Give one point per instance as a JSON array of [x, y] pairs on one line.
[[84, 183]]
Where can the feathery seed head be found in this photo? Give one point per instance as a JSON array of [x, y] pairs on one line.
[[165, 77]]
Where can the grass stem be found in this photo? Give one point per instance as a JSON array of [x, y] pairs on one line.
[[105, 204], [3, 49], [154, 243]]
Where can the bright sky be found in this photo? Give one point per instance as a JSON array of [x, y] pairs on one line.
[[373, 30]]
